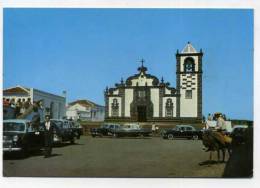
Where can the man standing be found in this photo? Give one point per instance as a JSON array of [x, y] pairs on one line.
[[48, 136]]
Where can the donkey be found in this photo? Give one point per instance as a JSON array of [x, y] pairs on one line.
[[213, 141]]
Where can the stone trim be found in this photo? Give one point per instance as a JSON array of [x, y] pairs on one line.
[[178, 81], [189, 54], [199, 105], [106, 107], [161, 94], [195, 72], [122, 95]]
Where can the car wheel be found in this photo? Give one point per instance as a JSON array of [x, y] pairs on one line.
[[72, 141], [195, 137], [170, 136], [24, 152]]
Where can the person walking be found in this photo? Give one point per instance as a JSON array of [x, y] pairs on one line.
[[48, 136]]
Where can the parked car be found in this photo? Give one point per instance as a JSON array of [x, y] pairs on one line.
[[63, 131], [181, 131], [105, 129], [20, 136], [77, 129], [131, 129], [238, 134], [112, 129]]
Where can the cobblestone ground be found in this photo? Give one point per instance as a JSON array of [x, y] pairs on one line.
[[118, 157]]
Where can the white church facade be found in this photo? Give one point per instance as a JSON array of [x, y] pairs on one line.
[[145, 98]]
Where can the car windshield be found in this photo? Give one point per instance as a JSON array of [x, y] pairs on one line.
[[14, 126], [104, 126], [58, 123]]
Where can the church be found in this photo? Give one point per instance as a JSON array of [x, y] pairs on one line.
[[145, 98]]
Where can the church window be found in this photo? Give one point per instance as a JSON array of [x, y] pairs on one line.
[[189, 65], [188, 94], [115, 108], [169, 108], [141, 94]]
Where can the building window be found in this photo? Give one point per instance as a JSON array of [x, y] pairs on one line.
[[169, 108], [188, 94], [141, 94], [115, 108], [189, 65]]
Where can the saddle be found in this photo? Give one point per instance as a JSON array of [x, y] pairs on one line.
[[221, 137]]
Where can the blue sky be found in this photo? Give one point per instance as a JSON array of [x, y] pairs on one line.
[[84, 50]]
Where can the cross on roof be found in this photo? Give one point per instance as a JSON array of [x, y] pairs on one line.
[[142, 61]]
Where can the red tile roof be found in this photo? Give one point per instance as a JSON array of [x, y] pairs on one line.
[[16, 89]]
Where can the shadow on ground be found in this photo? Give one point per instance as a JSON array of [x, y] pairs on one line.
[[21, 156], [66, 144]]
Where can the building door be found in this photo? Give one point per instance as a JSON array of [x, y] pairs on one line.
[[141, 110]]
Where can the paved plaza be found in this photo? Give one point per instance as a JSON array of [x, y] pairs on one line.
[[118, 157]]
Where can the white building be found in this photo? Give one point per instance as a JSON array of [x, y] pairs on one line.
[[85, 110], [52, 104], [144, 98]]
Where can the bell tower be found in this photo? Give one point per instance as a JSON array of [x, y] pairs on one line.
[[189, 82]]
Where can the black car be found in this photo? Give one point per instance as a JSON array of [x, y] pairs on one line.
[[130, 129], [181, 131], [77, 129], [63, 131], [104, 130], [20, 136]]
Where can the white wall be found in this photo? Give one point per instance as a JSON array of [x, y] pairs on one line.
[[155, 101], [129, 95], [74, 110], [110, 101], [79, 107], [164, 105], [116, 92], [188, 107], [167, 91], [59, 109], [98, 114], [142, 80]]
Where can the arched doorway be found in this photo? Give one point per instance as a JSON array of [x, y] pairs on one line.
[[141, 114], [142, 107]]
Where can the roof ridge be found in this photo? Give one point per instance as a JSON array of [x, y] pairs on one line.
[[80, 101]]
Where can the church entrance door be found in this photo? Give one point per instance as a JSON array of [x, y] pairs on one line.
[[141, 110]]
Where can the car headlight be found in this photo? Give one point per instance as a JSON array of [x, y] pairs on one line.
[[15, 138]]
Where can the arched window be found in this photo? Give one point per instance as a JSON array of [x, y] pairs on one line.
[[169, 108], [115, 108], [189, 65]]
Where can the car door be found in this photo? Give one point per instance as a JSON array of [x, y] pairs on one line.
[[188, 132], [66, 132], [33, 137], [182, 132]]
